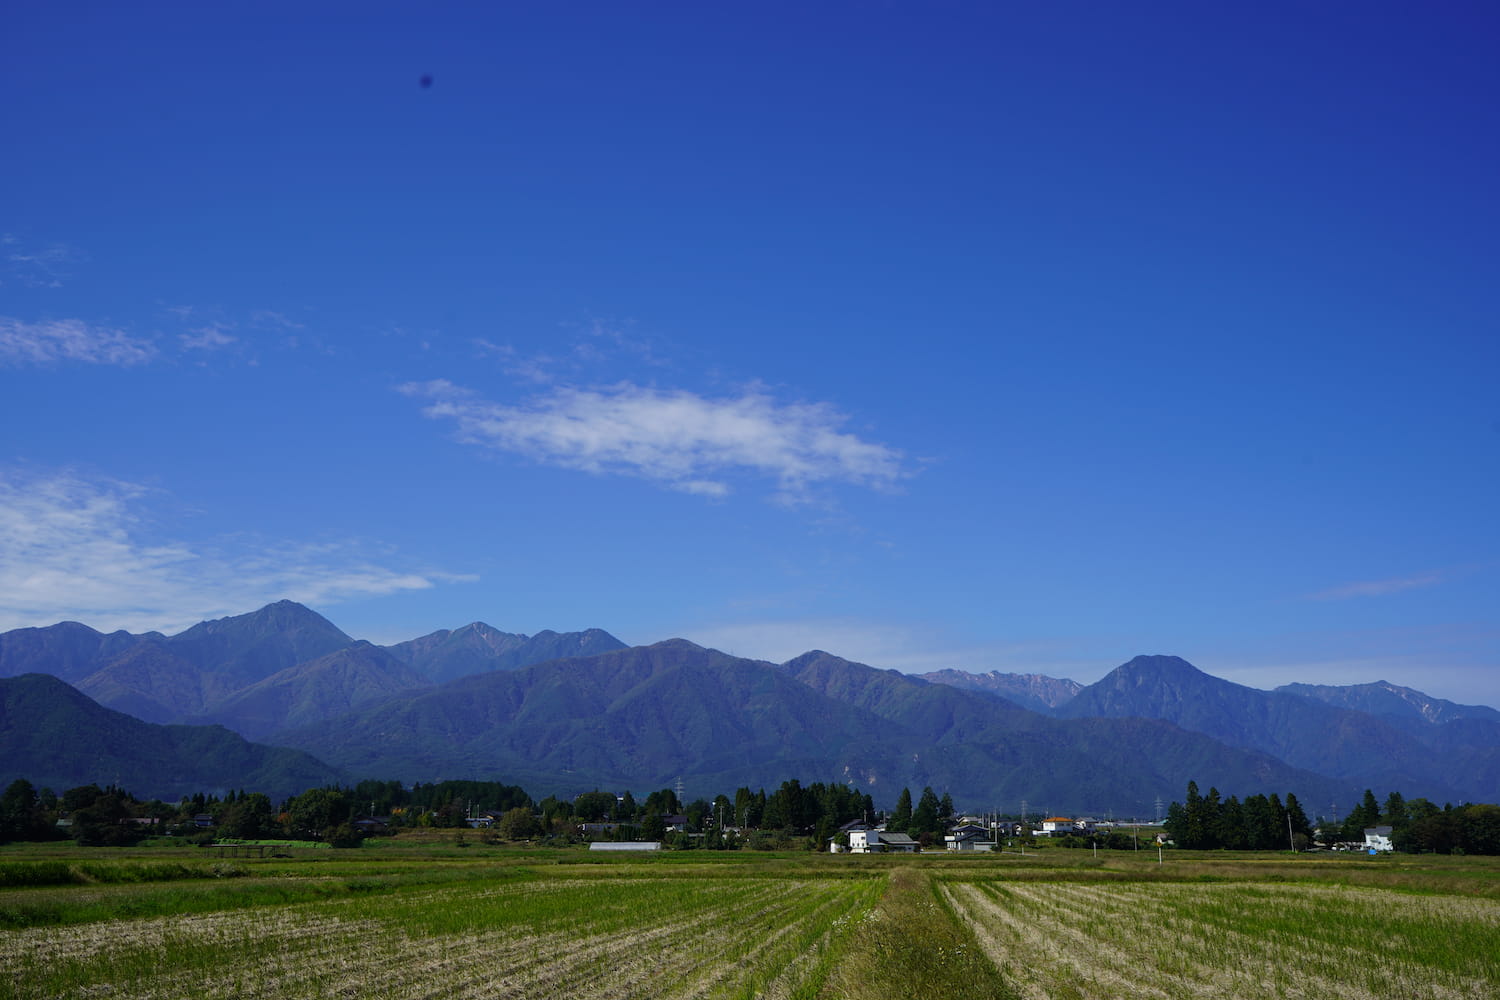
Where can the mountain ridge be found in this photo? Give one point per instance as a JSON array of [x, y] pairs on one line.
[[1304, 732], [639, 715], [1038, 692], [56, 736]]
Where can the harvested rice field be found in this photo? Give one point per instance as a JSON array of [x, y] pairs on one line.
[[496, 923], [1232, 941], [527, 937]]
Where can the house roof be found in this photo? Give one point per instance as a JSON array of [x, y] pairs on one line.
[[896, 839]]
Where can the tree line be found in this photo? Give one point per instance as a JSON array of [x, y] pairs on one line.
[[1419, 826], [1259, 823], [792, 815], [1262, 823], [112, 816]]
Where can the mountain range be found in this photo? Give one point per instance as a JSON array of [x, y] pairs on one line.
[[567, 712]]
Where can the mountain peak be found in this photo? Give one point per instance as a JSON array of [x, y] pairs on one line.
[[1158, 662], [253, 646], [811, 656], [278, 614], [1154, 686], [675, 644]]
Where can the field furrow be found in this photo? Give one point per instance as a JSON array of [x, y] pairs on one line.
[[615, 938], [1175, 940], [681, 928]]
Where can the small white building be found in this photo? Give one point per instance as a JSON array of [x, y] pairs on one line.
[[863, 840], [1378, 838]]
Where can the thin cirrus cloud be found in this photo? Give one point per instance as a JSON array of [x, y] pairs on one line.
[[679, 439], [206, 338], [35, 266], [79, 548], [1377, 588], [50, 341]]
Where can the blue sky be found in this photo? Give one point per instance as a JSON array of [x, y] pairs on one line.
[[929, 335]]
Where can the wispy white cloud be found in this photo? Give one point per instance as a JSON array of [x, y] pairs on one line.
[[53, 341], [606, 341], [680, 439], [536, 370], [594, 348], [207, 338], [273, 320], [81, 548], [35, 266], [215, 329], [1377, 588]]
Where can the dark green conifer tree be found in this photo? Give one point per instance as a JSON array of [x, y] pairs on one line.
[[900, 820]]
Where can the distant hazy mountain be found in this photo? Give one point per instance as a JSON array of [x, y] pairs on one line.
[[478, 648], [67, 650], [939, 713], [153, 683], [170, 678], [1017, 753], [1304, 732], [308, 693], [58, 738], [571, 711], [643, 717], [637, 717], [1392, 702], [244, 649], [1037, 692], [276, 667]]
